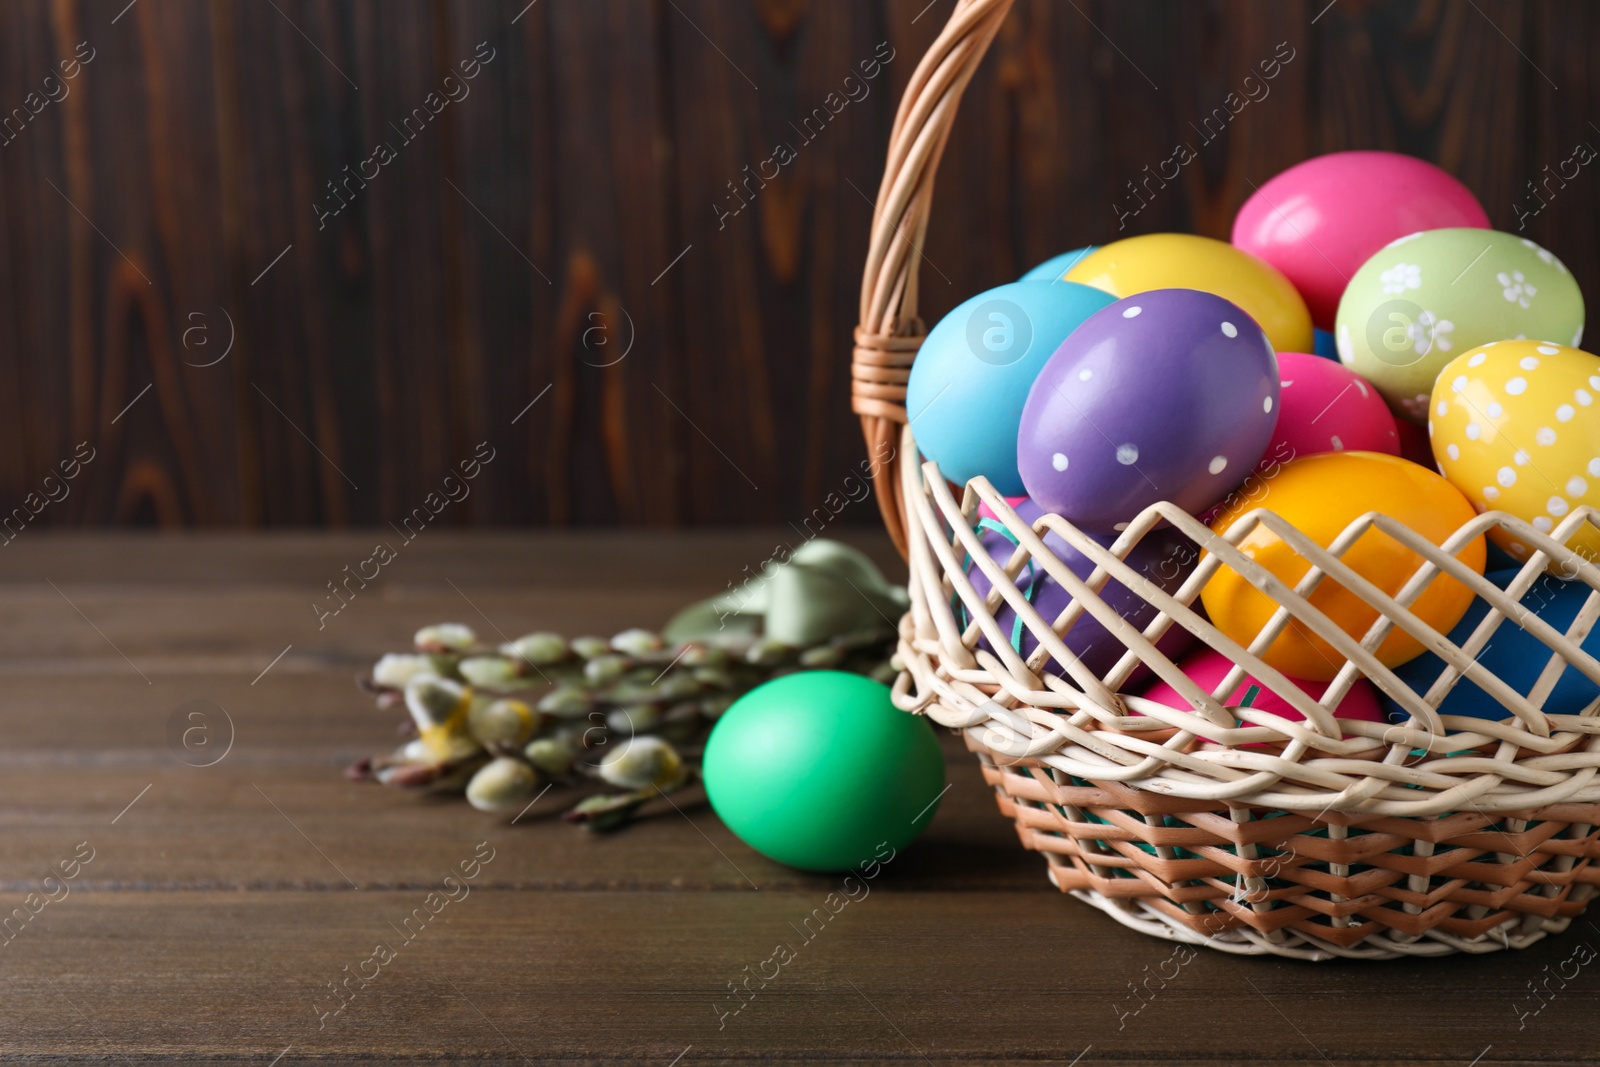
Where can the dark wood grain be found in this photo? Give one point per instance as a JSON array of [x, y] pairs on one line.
[[218, 907], [602, 977], [521, 240]]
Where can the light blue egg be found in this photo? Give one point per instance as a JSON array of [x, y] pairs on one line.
[[972, 376], [1513, 654], [1056, 266]]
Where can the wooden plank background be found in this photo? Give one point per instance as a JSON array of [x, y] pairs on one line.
[[568, 209]]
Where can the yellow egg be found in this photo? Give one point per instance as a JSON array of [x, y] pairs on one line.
[[1184, 261], [1322, 495], [1515, 425]]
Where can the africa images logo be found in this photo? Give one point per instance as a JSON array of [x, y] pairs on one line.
[[999, 332]]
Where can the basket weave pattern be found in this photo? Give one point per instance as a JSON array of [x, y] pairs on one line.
[[1311, 838]]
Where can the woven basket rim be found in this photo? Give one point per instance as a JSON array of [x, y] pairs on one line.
[[1080, 725]]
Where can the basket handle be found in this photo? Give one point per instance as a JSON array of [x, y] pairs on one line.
[[890, 332]]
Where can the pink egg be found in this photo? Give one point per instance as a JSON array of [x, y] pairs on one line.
[[986, 512], [1325, 406], [1207, 668], [1320, 220]]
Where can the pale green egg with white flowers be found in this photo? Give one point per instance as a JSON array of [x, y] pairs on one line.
[[1424, 299]]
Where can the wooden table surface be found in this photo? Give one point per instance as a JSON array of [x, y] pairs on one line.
[[218, 903]]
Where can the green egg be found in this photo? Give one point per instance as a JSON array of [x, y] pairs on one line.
[[1424, 299], [819, 770]]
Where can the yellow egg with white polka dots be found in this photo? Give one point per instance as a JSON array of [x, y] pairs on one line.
[[1515, 425]]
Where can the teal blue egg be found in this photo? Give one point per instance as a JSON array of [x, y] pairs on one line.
[[1513, 654], [1324, 344], [972, 376], [1056, 266]]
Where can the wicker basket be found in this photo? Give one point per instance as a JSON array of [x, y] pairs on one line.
[[1443, 835]]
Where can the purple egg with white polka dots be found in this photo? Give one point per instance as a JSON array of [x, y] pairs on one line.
[[1170, 394], [1163, 556]]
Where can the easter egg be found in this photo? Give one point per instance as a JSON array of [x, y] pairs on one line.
[[1513, 655], [1322, 495], [1324, 345], [1185, 261], [986, 512], [819, 770], [971, 377], [1326, 407], [1164, 556], [1515, 427], [1207, 668], [1168, 395], [1054, 267], [1320, 220], [1424, 299]]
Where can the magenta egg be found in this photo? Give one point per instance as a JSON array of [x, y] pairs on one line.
[[986, 512], [1171, 395], [1318, 221], [1207, 667], [1327, 407]]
